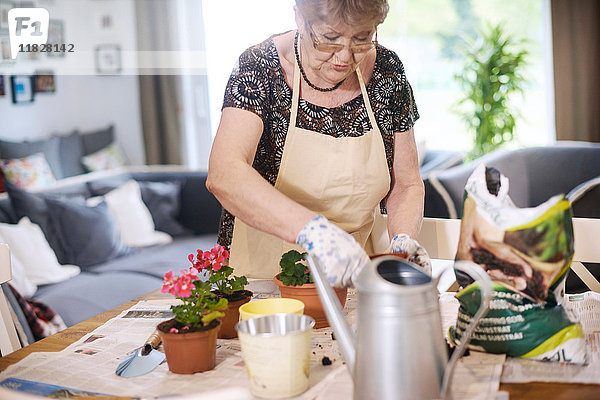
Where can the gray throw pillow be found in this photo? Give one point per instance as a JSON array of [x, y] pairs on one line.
[[50, 147], [33, 205], [71, 151], [88, 235], [97, 140], [161, 198]]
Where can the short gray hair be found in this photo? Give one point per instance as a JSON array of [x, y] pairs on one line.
[[350, 12]]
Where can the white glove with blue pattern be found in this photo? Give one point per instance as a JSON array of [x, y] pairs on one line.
[[338, 254], [416, 253]]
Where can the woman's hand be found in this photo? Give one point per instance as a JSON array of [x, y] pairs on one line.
[[340, 256], [415, 252]]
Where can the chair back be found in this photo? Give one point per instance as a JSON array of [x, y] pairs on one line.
[[9, 340]]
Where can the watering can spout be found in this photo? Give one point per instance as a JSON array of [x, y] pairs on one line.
[[335, 316]]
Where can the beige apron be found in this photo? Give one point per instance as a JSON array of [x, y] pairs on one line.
[[342, 178]]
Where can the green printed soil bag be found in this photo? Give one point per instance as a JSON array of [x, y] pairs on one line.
[[527, 253]]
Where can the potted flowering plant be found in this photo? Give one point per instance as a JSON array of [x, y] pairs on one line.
[[228, 286], [190, 339], [295, 282]]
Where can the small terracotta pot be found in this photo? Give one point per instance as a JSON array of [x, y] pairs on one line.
[[232, 315], [190, 352], [308, 294]]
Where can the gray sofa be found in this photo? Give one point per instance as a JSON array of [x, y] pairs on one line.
[[105, 285]]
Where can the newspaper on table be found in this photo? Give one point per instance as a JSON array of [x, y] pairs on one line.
[[90, 363]]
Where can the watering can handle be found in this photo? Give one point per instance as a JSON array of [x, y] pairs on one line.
[[486, 290], [333, 310]]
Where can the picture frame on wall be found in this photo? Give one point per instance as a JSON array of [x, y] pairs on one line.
[[5, 57], [2, 86], [4, 7], [22, 89], [44, 82], [108, 59]]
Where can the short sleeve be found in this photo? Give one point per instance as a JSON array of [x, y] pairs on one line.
[[402, 103], [247, 87]]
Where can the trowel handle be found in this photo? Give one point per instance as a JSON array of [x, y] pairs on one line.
[[151, 343]]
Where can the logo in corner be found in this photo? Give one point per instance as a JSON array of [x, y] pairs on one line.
[[27, 26]]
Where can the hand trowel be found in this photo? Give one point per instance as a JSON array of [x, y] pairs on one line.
[[143, 359]]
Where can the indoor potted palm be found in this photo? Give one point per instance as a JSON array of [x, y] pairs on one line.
[[295, 282], [226, 285], [492, 74], [190, 339]]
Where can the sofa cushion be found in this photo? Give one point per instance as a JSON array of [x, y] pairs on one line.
[[87, 235], [33, 205], [132, 216], [28, 172], [19, 279], [109, 157], [163, 200], [29, 245], [97, 140], [87, 295], [50, 147], [71, 151], [157, 260]]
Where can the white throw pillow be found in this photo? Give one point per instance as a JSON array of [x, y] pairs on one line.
[[29, 245], [132, 216], [19, 280]]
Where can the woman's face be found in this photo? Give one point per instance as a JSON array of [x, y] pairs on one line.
[[332, 67]]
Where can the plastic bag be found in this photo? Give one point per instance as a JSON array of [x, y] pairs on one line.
[[526, 252]]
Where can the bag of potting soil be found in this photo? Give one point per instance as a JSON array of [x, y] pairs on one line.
[[527, 253]]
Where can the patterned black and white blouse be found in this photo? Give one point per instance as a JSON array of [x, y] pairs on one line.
[[257, 84]]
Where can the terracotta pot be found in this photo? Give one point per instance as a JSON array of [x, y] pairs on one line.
[[308, 294], [232, 315], [190, 352]]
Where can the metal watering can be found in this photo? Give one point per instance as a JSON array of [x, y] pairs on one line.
[[398, 351]]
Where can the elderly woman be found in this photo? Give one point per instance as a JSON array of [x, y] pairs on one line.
[[315, 143]]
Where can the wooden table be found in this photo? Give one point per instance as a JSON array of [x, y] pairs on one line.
[[59, 341]]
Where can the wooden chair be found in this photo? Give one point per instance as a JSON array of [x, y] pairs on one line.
[[440, 237], [586, 233], [9, 341]]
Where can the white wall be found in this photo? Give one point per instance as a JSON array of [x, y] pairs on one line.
[[85, 102], [247, 23]]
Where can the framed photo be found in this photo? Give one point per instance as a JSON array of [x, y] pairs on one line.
[[23, 4], [2, 90], [43, 82], [4, 7], [108, 59], [56, 35], [5, 50], [22, 89]]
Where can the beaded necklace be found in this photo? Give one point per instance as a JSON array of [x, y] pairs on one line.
[[337, 85]]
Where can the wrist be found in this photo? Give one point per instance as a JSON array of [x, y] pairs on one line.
[[308, 229]]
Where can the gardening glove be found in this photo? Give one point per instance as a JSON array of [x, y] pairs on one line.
[[338, 254], [416, 253]]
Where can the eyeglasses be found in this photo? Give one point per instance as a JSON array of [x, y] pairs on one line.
[[335, 47]]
